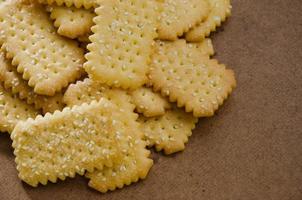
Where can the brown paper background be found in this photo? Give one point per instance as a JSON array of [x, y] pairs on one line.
[[252, 148]]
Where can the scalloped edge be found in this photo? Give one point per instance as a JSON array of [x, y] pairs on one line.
[[70, 3]]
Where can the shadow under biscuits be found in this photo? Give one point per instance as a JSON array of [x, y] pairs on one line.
[[6, 149]]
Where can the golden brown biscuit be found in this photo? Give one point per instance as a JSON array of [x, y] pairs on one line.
[[121, 44], [196, 82]]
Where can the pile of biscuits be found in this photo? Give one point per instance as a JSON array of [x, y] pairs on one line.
[[88, 85]]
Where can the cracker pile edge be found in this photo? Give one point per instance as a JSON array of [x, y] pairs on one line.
[[142, 91]]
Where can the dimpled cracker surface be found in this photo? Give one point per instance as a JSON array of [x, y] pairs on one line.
[[170, 131], [13, 82], [134, 165], [72, 22], [88, 90], [80, 138], [48, 61], [194, 81], [220, 10], [87, 4], [149, 103], [12, 110], [122, 42], [178, 16]]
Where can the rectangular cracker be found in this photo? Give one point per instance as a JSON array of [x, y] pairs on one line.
[[48, 61], [178, 16], [13, 82], [133, 166], [72, 22], [122, 42], [87, 4], [88, 90], [80, 138], [149, 103], [194, 81], [13, 110], [220, 10], [170, 131]]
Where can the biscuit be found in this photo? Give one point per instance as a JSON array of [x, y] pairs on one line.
[[13, 110], [13, 82], [72, 22], [170, 131], [220, 10], [122, 42], [196, 82], [149, 103], [48, 61], [178, 16], [87, 90], [71, 141]]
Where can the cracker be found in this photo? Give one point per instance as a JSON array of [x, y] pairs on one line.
[[194, 81], [80, 138], [122, 42], [178, 16], [220, 10], [170, 131], [88, 90], [13, 82], [87, 4], [149, 103], [205, 47], [72, 22], [133, 166], [48, 61], [13, 110]]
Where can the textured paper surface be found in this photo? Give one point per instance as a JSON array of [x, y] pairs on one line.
[[250, 150]]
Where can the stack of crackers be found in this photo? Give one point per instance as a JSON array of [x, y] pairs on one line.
[[88, 85]]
